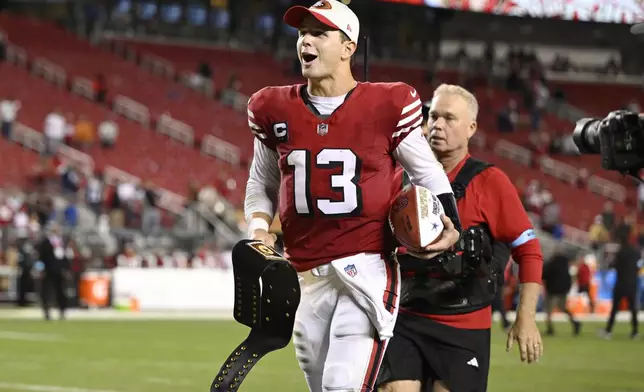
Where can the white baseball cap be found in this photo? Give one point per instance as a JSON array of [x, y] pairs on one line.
[[330, 12]]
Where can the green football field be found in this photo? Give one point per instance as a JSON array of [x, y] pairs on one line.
[[171, 356]]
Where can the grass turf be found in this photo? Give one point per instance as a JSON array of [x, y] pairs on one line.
[[170, 356]]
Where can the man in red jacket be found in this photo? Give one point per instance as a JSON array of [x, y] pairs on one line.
[[442, 337]]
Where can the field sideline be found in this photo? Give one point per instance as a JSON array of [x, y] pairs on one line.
[[162, 352]]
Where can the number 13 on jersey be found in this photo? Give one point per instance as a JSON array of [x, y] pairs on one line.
[[346, 183]]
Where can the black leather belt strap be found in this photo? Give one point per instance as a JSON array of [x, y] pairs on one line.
[[267, 294]]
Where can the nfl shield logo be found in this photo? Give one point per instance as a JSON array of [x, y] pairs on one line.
[[323, 129], [351, 270]]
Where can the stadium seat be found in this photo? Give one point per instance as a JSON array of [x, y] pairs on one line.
[[123, 77], [139, 151]]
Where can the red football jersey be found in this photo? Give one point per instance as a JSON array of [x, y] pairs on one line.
[[337, 173]]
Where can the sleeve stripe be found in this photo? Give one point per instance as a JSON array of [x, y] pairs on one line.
[[410, 128], [250, 114], [410, 118], [258, 134], [410, 107], [256, 130], [525, 237]]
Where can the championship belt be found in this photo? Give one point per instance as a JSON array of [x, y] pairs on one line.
[[267, 294]]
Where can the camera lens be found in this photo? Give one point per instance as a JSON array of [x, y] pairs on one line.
[[586, 135]]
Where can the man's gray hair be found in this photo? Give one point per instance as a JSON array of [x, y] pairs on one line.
[[472, 103]]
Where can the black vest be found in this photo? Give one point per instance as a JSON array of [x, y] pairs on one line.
[[434, 288]]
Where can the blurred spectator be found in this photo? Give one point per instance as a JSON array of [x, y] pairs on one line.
[[70, 128], [129, 258], [584, 279], [108, 132], [612, 66], [21, 224], [53, 270], [8, 112], [85, 134], [508, 118], [34, 226], [95, 193], [557, 282], [100, 88], [70, 213], [534, 196], [55, 131], [551, 215], [70, 180], [128, 194], [540, 100], [626, 266], [560, 63], [6, 217], [540, 142], [204, 71], [583, 177], [598, 234], [627, 228], [230, 93], [115, 205], [608, 216], [151, 217]]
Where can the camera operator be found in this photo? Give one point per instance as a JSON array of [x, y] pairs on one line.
[[625, 262], [442, 337]]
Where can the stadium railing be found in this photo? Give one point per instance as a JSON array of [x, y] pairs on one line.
[[175, 129], [132, 109], [16, 55], [82, 87], [157, 65], [49, 71], [506, 149], [221, 149], [560, 170], [607, 188]]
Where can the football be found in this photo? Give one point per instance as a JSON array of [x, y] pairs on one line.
[[415, 217]]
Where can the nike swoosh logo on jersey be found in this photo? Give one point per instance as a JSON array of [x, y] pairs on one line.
[[413, 93]]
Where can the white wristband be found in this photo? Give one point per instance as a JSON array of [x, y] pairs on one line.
[[257, 224]]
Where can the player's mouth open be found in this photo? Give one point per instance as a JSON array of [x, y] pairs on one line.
[[308, 58]]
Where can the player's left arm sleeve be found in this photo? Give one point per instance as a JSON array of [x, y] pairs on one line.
[[407, 115], [509, 223], [420, 163]]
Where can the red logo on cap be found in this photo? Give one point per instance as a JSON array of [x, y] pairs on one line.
[[325, 5], [349, 28]]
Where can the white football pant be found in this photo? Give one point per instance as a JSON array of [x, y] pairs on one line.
[[346, 316]]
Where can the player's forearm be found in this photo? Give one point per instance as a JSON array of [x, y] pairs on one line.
[[420, 163], [528, 299], [263, 184], [260, 201]]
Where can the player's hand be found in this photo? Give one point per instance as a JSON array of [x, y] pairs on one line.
[[524, 331], [264, 236], [447, 239]]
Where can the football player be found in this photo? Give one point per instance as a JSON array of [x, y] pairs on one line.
[[325, 154]]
